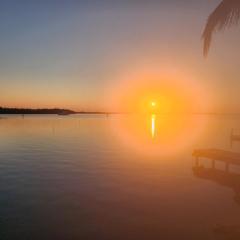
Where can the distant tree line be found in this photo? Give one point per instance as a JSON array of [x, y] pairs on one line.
[[34, 111]]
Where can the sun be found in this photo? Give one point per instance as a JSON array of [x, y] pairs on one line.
[[153, 104]]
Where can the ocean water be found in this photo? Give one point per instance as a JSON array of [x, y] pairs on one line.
[[114, 177]]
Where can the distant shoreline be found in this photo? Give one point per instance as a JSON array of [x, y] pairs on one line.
[[60, 111], [35, 111], [53, 111]]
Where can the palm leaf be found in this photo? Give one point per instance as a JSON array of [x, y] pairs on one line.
[[225, 15]]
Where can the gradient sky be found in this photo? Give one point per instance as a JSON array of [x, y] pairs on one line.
[[68, 53]]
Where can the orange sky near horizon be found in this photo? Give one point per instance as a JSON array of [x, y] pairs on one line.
[[170, 92]]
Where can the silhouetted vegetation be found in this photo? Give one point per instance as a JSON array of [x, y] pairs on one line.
[[35, 111], [225, 15]]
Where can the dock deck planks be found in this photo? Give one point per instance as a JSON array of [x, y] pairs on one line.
[[218, 154]]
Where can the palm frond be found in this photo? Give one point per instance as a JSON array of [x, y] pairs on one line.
[[225, 15]]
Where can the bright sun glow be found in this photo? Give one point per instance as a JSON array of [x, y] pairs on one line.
[[157, 93], [153, 104], [159, 109]]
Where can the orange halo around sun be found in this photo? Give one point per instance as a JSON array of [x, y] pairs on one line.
[[142, 93], [160, 121]]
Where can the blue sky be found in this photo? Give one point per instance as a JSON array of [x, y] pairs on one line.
[[69, 52]]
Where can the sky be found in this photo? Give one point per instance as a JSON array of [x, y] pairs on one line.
[[72, 53]]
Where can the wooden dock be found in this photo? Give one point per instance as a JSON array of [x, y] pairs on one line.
[[223, 177], [217, 155]]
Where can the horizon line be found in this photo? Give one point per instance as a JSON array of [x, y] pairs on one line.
[[56, 110]]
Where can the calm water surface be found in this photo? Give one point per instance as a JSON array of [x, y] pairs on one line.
[[91, 177]]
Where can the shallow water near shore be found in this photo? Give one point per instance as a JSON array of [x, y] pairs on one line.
[[106, 177]]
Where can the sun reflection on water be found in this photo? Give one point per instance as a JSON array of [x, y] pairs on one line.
[[153, 125], [171, 133]]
